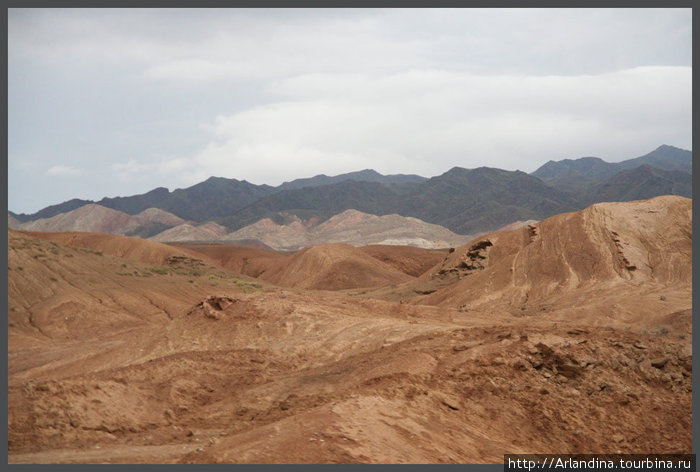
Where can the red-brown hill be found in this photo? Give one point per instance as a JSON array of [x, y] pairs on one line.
[[334, 267], [629, 261]]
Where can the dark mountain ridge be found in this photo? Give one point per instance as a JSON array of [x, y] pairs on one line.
[[576, 175], [463, 200], [366, 175]]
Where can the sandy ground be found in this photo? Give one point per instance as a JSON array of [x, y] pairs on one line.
[[572, 335]]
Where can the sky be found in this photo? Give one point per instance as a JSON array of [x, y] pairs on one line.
[[115, 102]]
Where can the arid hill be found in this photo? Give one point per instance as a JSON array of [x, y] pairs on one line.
[[571, 335], [129, 248], [333, 267], [631, 261]]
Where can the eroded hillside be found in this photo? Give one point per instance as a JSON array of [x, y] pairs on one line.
[[571, 334]]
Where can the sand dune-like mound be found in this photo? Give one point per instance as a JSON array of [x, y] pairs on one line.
[[334, 267], [642, 246]]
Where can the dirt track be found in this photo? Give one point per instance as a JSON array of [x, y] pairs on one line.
[[115, 357]]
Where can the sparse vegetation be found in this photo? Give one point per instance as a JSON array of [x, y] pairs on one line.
[[248, 286], [160, 270]]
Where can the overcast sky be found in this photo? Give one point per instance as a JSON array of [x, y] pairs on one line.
[[117, 102]]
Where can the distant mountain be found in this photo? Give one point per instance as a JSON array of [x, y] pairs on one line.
[[665, 158], [465, 201], [96, 218], [188, 232], [576, 175], [640, 183], [462, 200], [573, 175], [322, 202], [367, 175], [12, 222], [52, 210], [213, 198], [352, 227], [476, 200], [349, 227]]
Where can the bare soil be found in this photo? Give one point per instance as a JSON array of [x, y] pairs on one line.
[[570, 335]]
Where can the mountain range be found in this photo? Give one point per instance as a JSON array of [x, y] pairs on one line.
[[465, 201]]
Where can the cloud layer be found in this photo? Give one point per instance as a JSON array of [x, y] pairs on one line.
[[426, 121], [126, 100]]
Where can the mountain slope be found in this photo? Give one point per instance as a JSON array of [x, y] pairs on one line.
[[99, 219], [52, 210], [213, 198], [187, 232], [475, 200], [640, 183], [665, 158], [322, 202], [576, 175]]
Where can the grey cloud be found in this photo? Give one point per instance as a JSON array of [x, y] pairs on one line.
[[138, 98]]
